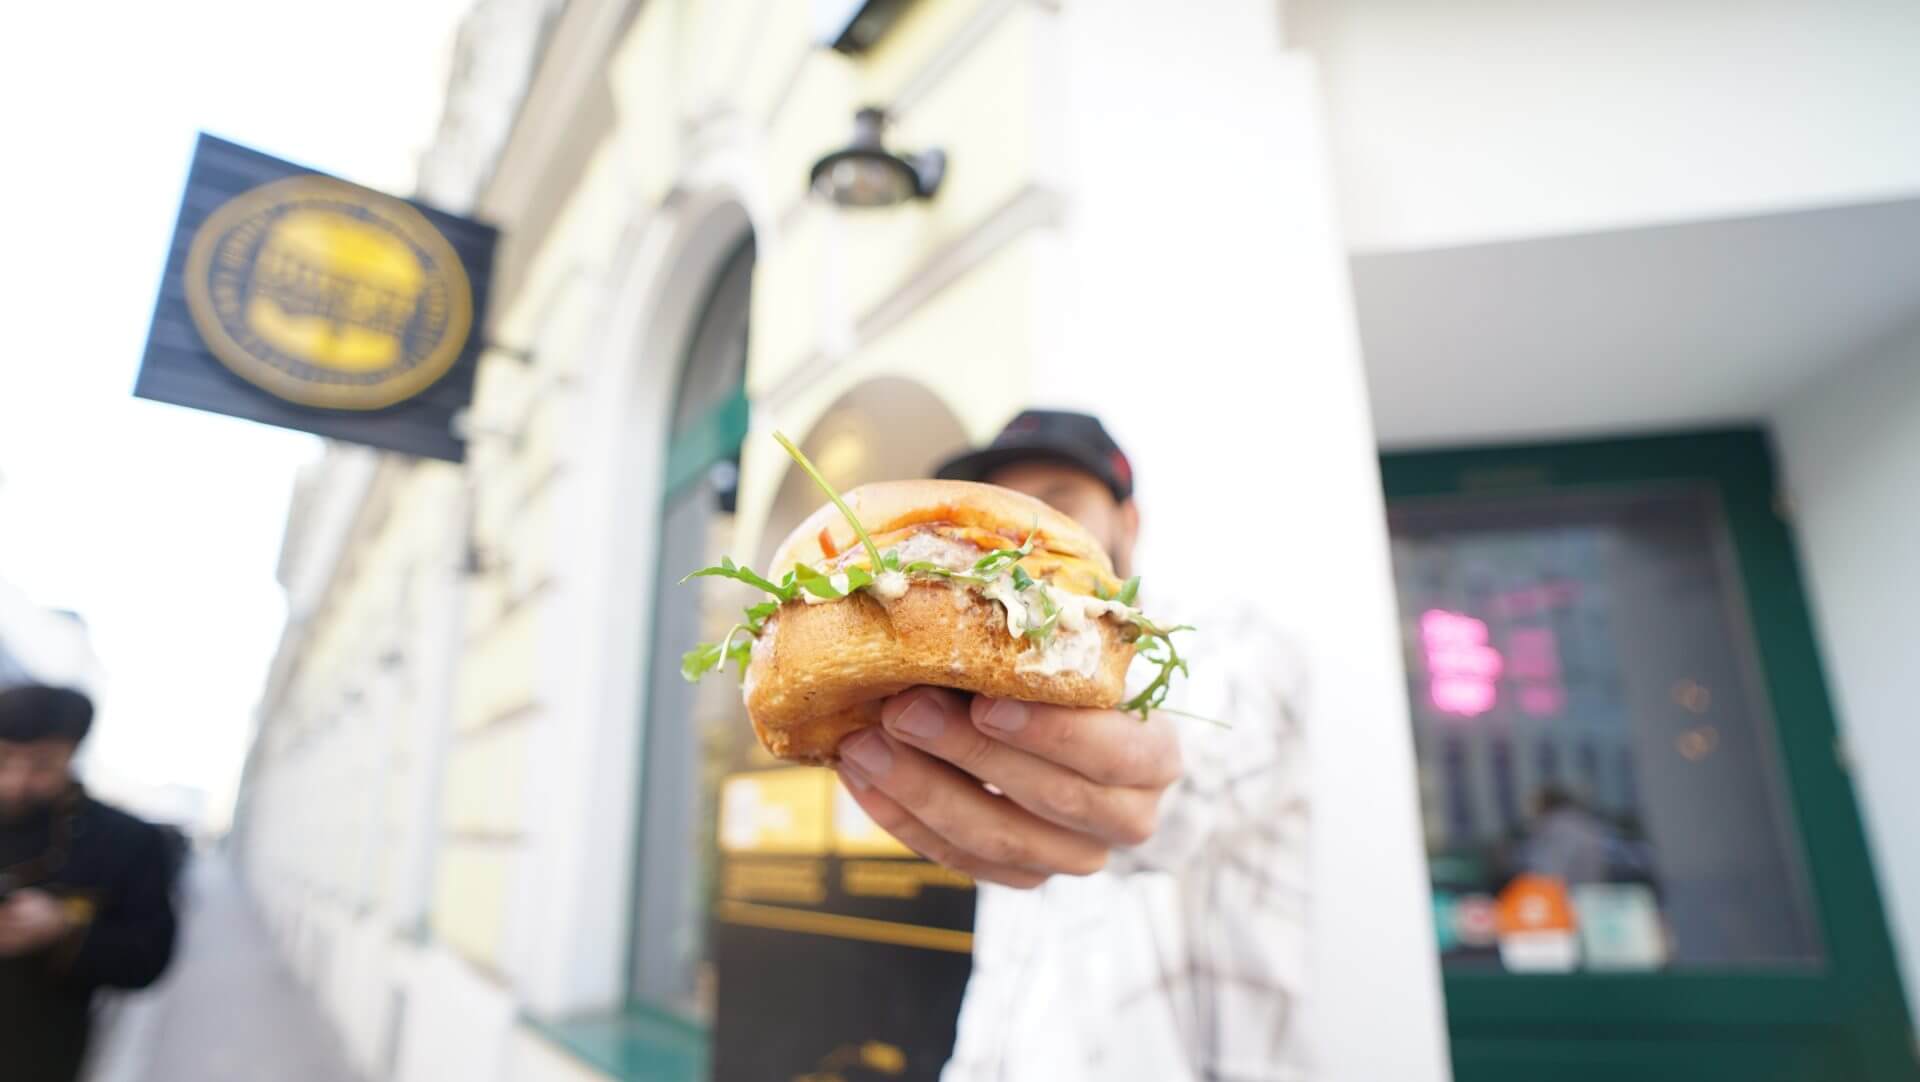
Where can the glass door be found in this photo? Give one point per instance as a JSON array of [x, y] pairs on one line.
[[691, 731], [1644, 850]]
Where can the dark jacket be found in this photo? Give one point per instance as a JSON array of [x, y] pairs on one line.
[[115, 874]]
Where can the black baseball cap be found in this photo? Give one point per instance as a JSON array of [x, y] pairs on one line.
[[1074, 439], [30, 712]]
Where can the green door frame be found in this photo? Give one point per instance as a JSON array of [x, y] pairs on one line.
[[1500, 1021], [645, 1040]]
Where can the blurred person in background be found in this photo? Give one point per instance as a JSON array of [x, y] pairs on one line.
[[1571, 843], [1183, 956], [85, 890]]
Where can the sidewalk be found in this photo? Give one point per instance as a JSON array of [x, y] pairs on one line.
[[229, 1010]]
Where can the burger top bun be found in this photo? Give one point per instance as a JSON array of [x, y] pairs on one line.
[[885, 506]]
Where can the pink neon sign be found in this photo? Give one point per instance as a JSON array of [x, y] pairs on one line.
[[1533, 656], [1463, 672]]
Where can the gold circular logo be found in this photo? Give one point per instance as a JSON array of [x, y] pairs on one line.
[[328, 295]]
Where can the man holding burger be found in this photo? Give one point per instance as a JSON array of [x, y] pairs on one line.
[[1157, 927]]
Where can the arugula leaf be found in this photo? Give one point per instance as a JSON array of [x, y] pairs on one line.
[[1156, 645], [820, 584], [1148, 627], [727, 569], [806, 464], [741, 652], [923, 567], [757, 614], [699, 661], [1042, 632], [991, 564], [1194, 716], [710, 656], [815, 581], [1128, 591]]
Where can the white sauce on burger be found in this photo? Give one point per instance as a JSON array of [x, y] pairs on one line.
[[1075, 645]]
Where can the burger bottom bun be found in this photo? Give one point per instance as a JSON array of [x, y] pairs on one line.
[[819, 672]]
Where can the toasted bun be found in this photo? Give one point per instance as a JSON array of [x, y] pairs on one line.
[[889, 505], [819, 671]]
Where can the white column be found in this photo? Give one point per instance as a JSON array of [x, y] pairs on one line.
[[1203, 309], [1850, 446], [433, 667]]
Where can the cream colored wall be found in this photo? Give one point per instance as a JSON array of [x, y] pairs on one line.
[[515, 465], [336, 747], [722, 99], [941, 292], [699, 88], [497, 705], [981, 113], [971, 344], [333, 835]]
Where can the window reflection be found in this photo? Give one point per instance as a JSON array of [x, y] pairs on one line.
[[1596, 757]]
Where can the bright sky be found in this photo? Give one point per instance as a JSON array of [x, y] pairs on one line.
[[161, 526]]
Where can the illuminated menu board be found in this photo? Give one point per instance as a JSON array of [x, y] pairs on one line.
[[840, 953]]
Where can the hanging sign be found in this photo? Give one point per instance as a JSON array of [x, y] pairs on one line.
[[298, 299]]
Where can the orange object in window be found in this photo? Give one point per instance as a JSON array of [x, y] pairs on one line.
[[1534, 903]]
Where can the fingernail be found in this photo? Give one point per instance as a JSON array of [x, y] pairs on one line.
[[1006, 715], [868, 752], [922, 719], [855, 780]]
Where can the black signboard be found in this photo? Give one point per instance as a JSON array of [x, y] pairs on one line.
[[297, 299], [841, 955]]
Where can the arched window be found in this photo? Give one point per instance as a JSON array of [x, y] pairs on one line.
[[691, 731]]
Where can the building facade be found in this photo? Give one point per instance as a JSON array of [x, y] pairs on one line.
[[483, 813]]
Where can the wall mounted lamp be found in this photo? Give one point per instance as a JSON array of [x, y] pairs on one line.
[[864, 173]]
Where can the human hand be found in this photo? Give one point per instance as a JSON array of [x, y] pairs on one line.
[[1076, 783], [29, 920]]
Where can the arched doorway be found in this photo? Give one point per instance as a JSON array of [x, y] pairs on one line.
[[884, 429], [690, 732], [831, 940]]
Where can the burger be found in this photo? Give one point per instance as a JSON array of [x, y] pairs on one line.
[[950, 583]]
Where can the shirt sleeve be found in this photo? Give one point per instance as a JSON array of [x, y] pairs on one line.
[[1235, 840], [129, 941], [1245, 771]]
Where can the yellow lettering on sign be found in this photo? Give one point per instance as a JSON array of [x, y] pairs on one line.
[[334, 292], [802, 882], [897, 878], [328, 295]]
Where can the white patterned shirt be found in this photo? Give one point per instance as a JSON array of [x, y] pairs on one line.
[[1187, 958]]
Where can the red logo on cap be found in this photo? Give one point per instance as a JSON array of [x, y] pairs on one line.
[[1121, 468]]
